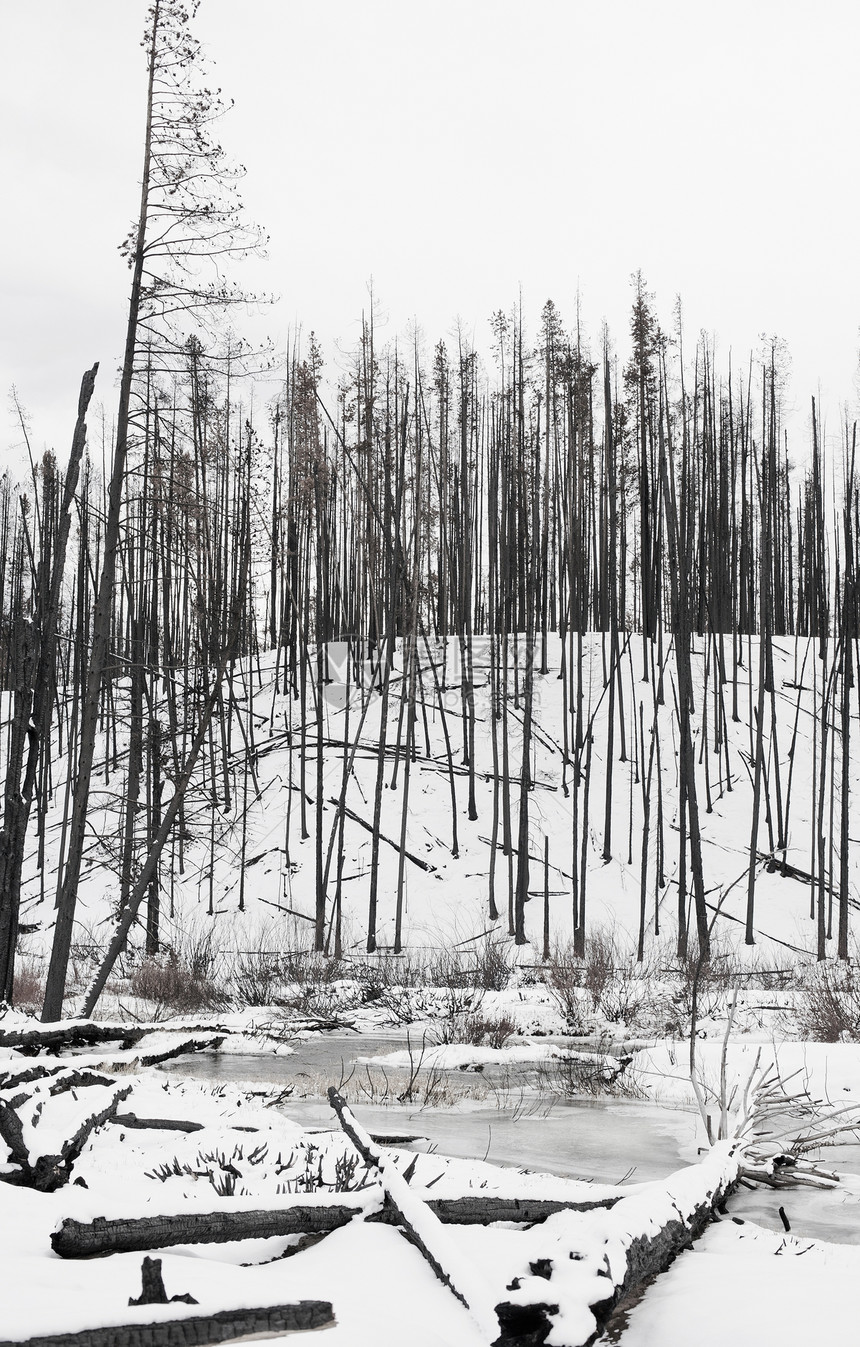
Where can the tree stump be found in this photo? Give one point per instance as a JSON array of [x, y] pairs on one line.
[[153, 1292]]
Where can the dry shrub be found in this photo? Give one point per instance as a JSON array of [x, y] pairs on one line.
[[485, 964], [314, 984], [602, 977], [315, 1001], [691, 980], [601, 962], [566, 977], [617, 985], [493, 966], [629, 992], [491, 1031], [199, 950], [383, 972], [570, 1076], [187, 978], [305, 966], [827, 1005], [28, 987], [258, 972], [450, 968], [256, 977], [387, 981], [170, 985]]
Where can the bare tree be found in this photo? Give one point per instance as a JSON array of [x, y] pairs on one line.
[[188, 220]]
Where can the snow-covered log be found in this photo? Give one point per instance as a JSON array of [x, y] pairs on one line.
[[162, 1047], [299, 1216], [420, 1225], [46, 1127], [587, 1264], [197, 1329], [133, 1123], [83, 1033], [303, 1216]]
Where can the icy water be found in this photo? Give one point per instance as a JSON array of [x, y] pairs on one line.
[[604, 1140]]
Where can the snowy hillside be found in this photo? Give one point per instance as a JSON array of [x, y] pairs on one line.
[[249, 872]]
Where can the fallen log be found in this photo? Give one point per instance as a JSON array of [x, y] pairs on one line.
[[197, 1329], [420, 1225], [289, 1028], [151, 1056], [84, 1033], [132, 1122], [27, 1074], [608, 1256], [62, 1076], [89, 1239], [51, 1169], [125, 1061], [356, 818]]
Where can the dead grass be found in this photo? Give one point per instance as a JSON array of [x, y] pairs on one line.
[[827, 1004], [28, 988], [257, 976], [571, 1076], [172, 987], [489, 1031]]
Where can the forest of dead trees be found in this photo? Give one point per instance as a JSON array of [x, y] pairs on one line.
[[547, 488], [544, 494]]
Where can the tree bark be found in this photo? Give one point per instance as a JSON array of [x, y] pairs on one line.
[[35, 712], [67, 901], [82, 1239]]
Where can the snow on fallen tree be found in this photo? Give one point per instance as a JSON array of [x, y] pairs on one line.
[[577, 1267], [161, 1047], [303, 1214], [564, 1275], [420, 1225], [29, 1040], [155, 1048], [226, 1325], [312, 1215], [47, 1125]]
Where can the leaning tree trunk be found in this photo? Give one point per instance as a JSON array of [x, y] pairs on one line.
[[150, 866], [34, 713], [56, 981]]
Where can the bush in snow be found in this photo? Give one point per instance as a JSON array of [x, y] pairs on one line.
[[483, 1031], [173, 986], [827, 1005], [28, 988]]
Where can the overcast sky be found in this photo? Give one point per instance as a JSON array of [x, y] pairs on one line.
[[457, 152]]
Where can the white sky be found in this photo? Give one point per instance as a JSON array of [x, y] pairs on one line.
[[456, 151]]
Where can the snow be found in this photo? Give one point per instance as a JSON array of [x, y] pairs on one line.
[[449, 1056], [382, 1289], [446, 905], [745, 1285], [829, 1071], [355, 1267], [741, 1283], [467, 1283]]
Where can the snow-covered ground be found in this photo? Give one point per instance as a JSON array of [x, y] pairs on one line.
[[498, 1046], [250, 1155], [446, 897]]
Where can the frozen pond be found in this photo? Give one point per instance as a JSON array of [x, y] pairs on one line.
[[600, 1139], [606, 1140]]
